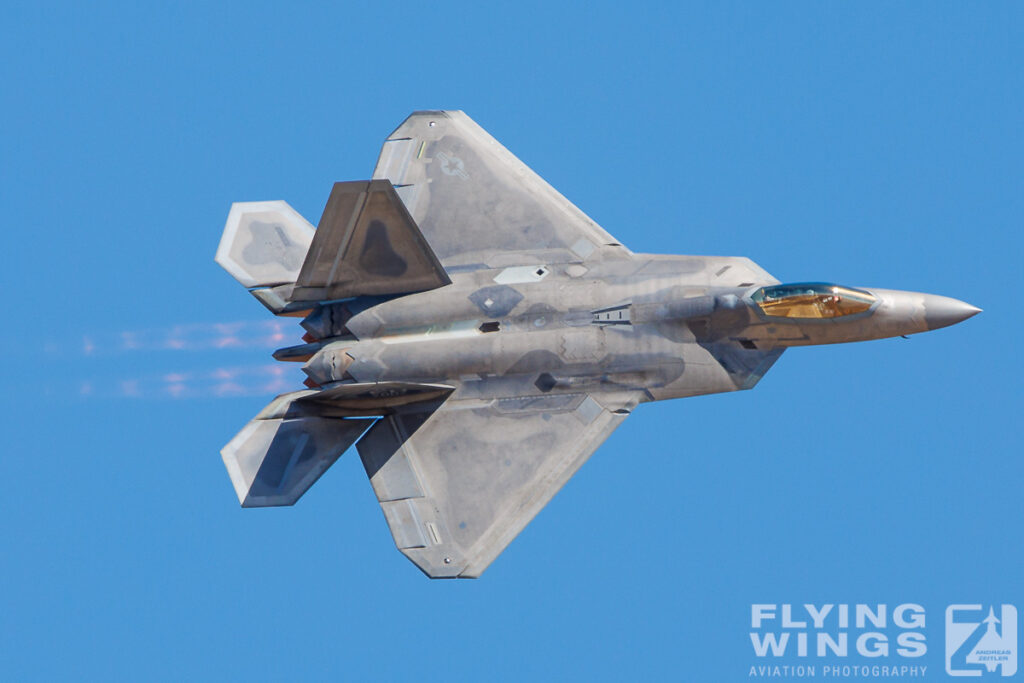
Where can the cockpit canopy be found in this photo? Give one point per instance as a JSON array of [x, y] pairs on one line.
[[812, 300]]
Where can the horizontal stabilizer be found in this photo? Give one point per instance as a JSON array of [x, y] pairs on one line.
[[274, 461], [366, 244], [264, 243]]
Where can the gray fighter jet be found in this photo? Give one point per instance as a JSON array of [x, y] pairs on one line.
[[477, 337]]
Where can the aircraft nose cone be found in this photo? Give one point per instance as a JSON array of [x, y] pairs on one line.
[[943, 311]]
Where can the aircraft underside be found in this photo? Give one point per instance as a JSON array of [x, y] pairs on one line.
[[477, 337]]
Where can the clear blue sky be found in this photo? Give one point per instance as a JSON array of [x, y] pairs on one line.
[[869, 144]]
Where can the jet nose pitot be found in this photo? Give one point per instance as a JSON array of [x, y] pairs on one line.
[[943, 311]]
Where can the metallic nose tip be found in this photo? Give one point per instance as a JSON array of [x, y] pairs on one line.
[[942, 311]]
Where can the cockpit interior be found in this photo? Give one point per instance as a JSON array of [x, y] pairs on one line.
[[812, 300]]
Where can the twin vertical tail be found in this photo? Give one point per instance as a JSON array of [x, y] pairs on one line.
[[366, 244]]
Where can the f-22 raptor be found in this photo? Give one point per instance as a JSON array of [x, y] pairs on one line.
[[477, 337]]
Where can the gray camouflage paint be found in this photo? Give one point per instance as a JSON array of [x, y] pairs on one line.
[[536, 335]]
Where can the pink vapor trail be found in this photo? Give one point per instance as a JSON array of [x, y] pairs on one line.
[[265, 334], [225, 382]]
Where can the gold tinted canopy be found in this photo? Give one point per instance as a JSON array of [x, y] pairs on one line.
[[812, 300]]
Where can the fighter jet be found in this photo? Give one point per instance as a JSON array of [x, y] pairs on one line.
[[477, 337]]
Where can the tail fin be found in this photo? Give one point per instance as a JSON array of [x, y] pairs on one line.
[[367, 244], [276, 458]]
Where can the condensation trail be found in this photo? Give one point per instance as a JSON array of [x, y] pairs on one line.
[[221, 382], [264, 334], [225, 382]]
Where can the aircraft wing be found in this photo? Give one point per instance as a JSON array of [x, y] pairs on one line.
[[458, 481], [477, 204]]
